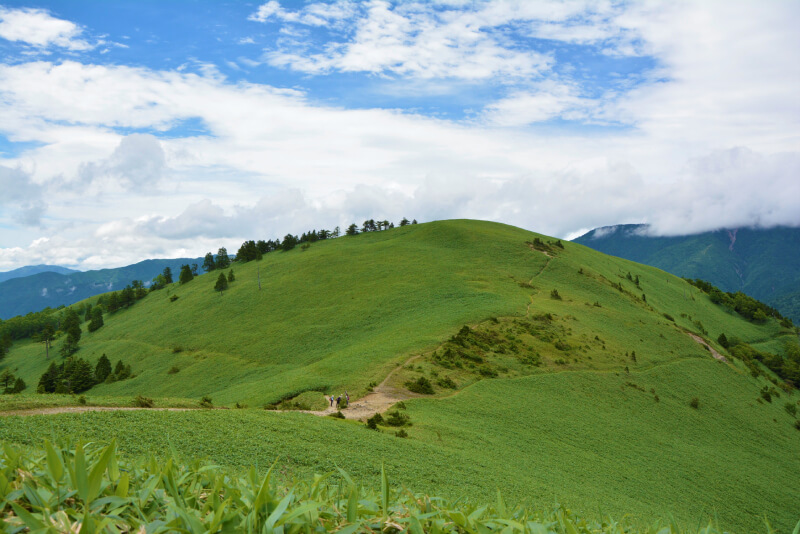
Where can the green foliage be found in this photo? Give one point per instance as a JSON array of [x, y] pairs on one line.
[[420, 385], [791, 408], [173, 370], [208, 262], [374, 421], [694, 403], [186, 275], [231, 276], [206, 402], [93, 486], [397, 418], [97, 319], [222, 261], [222, 283], [142, 402], [554, 295]]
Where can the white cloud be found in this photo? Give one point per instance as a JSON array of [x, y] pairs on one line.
[[712, 137], [407, 40], [37, 28], [544, 101], [137, 163], [22, 196]]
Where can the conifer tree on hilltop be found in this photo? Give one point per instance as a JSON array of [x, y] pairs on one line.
[[208, 263], [222, 283], [167, 275], [186, 275], [223, 261]]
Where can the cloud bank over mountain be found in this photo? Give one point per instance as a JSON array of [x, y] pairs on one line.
[[118, 144]]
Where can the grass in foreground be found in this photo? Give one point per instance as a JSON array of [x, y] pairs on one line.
[[92, 489]]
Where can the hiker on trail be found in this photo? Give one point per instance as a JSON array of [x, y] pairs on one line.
[[347, 397], [338, 400], [331, 401]]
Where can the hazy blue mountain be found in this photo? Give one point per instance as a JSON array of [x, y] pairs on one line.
[[29, 270], [763, 263], [19, 296]]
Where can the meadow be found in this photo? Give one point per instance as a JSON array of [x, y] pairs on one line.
[[574, 377]]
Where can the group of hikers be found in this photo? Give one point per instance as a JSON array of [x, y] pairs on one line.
[[338, 400]]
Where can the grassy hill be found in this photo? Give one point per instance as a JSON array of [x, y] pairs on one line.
[[571, 381], [763, 263], [34, 288]]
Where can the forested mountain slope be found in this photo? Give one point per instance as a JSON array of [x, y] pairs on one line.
[[51, 288], [763, 263]]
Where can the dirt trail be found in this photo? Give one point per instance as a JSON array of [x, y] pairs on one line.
[[714, 353], [546, 263], [81, 409], [379, 400]]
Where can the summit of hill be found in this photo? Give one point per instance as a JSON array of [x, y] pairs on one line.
[[540, 367]]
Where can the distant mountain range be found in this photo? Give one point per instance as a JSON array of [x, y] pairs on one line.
[[29, 270], [763, 263], [53, 286]]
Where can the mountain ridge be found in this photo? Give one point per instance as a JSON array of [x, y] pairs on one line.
[[762, 263], [35, 292]]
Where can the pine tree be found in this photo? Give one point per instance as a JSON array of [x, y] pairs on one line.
[[186, 274], [19, 386], [50, 379], [222, 283], [72, 327], [97, 319], [7, 379], [103, 368], [80, 376], [208, 262], [167, 275], [231, 277], [6, 342], [223, 261]]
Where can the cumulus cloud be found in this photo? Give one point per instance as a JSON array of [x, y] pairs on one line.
[[21, 196], [136, 164], [37, 28]]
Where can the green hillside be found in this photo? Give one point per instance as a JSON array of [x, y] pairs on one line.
[[572, 382], [763, 263]]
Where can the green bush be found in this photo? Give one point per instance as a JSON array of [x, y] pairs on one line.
[[447, 383], [374, 421], [397, 418], [401, 433], [694, 403], [172, 370], [554, 295], [205, 402], [142, 402], [421, 385], [791, 408], [337, 415]]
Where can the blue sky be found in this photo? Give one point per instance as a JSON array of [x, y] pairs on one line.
[[143, 129]]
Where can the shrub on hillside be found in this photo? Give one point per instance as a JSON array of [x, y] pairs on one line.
[[142, 402], [554, 295], [172, 370], [791, 409], [337, 415], [397, 418], [401, 433], [374, 421], [421, 385], [205, 402], [447, 383], [694, 403]]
